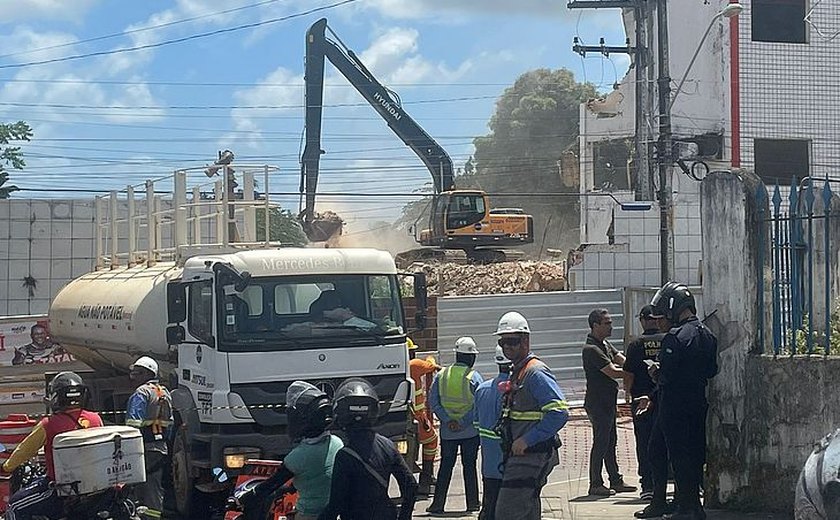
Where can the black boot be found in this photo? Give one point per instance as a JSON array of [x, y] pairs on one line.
[[426, 478], [655, 510]]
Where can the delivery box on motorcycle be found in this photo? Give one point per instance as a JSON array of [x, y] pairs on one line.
[[96, 459]]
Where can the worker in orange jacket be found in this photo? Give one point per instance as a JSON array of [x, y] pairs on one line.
[[422, 372]]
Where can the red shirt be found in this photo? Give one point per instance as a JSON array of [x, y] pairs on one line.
[[65, 421]]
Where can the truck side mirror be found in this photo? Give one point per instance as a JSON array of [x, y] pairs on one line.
[[176, 302], [175, 335], [421, 300]]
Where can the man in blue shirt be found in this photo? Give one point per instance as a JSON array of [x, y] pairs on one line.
[[488, 406], [150, 410], [452, 398], [533, 411]]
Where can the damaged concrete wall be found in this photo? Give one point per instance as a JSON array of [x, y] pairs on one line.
[[765, 414], [792, 404], [727, 205]]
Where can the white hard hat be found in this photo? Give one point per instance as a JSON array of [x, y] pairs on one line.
[[513, 323], [147, 363], [466, 345], [501, 359]]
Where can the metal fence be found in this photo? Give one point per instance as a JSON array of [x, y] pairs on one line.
[[558, 322], [796, 234]]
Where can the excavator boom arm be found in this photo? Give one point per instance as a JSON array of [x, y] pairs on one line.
[[319, 48]]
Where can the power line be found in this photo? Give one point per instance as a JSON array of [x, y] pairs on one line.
[[180, 40], [230, 107], [232, 84], [134, 31]]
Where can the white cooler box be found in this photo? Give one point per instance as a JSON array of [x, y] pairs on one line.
[[95, 459]]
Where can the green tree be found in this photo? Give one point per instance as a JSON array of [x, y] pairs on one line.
[[283, 227], [11, 156], [535, 120]]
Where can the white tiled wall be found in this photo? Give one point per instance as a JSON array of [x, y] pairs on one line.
[[789, 91], [633, 259], [50, 240]]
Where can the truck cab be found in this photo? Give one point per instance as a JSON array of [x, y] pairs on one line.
[[233, 330]]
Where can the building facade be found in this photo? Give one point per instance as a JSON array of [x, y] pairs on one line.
[[758, 96]]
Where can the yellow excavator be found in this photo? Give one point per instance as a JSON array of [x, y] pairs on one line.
[[458, 219]]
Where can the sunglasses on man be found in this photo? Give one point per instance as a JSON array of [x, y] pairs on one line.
[[513, 341]]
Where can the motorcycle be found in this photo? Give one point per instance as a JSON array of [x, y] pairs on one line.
[[114, 503], [280, 507]]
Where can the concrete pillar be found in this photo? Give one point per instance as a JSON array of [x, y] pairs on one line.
[[729, 213]]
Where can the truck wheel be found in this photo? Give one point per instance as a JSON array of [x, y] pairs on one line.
[[187, 499]]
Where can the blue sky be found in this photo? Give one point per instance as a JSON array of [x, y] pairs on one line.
[[103, 122]]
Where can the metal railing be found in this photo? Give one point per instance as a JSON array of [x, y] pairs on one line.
[[796, 234], [155, 228]]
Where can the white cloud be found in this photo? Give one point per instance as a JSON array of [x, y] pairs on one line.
[[24, 39], [18, 10], [148, 31], [280, 87], [393, 57], [66, 83]]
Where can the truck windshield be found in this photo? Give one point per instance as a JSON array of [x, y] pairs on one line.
[[284, 313]]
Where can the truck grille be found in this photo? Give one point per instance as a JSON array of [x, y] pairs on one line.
[[274, 394]]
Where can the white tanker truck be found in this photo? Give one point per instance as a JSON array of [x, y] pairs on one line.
[[231, 332]]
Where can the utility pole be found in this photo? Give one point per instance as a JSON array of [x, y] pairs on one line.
[[641, 63], [664, 152], [644, 95]]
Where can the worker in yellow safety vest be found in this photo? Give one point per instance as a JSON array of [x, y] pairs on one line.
[[422, 372], [452, 398]]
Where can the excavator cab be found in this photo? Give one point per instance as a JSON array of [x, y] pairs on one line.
[[462, 219]]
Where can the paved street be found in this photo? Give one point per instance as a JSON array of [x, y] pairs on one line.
[[565, 496]]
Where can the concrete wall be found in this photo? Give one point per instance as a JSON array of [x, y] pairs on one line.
[[792, 405], [728, 206], [765, 414], [50, 240]]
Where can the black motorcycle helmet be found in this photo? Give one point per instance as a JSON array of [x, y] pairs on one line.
[[355, 404], [671, 300], [67, 390], [308, 409]]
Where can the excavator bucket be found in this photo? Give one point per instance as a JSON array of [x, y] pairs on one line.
[[323, 227]]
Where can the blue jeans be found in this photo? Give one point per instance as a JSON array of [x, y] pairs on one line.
[[38, 498], [469, 459]]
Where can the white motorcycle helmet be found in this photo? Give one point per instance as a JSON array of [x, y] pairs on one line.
[[818, 488]]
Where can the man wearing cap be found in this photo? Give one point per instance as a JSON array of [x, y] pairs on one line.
[[533, 412], [641, 353], [150, 410], [488, 406], [452, 398]]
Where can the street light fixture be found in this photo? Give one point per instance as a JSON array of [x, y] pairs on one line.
[[729, 11]]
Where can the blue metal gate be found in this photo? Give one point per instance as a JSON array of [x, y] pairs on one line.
[[789, 228]]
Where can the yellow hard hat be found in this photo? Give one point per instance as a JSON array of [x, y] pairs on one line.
[[410, 344]]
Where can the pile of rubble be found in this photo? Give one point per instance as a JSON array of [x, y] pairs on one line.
[[452, 279]]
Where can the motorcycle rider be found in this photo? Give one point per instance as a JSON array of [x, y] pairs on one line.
[[150, 411], [309, 464], [363, 466], [66, 394]]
